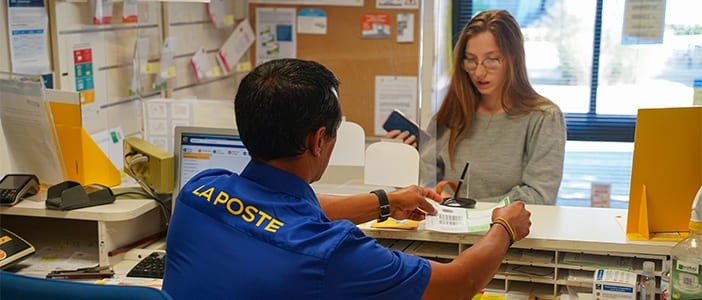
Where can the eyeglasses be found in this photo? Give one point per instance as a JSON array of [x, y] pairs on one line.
[[490, 64]]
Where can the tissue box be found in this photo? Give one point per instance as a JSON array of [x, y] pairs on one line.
[[614, 284]]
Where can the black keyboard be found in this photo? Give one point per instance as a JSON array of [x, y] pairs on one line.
[[151, 266]]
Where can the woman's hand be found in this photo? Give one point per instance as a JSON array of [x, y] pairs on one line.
[[404, 136]]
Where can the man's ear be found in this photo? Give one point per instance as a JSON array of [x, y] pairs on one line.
[[317, 141]]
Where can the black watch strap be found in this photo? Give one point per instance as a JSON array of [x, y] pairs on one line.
[[384, 210]]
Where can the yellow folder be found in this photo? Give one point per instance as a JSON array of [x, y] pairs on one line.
[[85, 162]]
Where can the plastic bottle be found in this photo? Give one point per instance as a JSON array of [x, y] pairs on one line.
[[665, 280], [686, 275], [647, 282]]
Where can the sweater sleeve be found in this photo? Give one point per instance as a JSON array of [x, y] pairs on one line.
[[543, 171]]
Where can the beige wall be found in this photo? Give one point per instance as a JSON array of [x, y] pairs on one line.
[[4, 67], [4, 49], [179, 19]]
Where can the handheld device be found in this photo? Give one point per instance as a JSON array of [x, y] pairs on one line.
[[398, 121], [14, 187], [13, 248]]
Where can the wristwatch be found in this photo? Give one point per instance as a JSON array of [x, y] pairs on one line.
[[384, 210]]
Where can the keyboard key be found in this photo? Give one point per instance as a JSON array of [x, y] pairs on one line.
[[151, 266]]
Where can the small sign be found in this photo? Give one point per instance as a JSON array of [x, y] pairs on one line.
[[375, 26], [697, 100], [600, 194], [312, 21]]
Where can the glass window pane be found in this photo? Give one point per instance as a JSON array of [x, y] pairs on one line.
[[558, 37], [559, 49], [658, 72]]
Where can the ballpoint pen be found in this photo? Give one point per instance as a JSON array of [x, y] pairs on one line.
[[455, 200], [82, 273], [460, 181]]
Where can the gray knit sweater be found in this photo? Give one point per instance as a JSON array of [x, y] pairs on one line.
[[516, 156]]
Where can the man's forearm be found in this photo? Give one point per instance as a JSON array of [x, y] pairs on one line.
[[358, 209]]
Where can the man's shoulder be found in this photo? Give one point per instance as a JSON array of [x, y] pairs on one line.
[[208, 177], [209, 173]]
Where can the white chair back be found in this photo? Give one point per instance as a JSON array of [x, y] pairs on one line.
[[391, 163], [350, 145]]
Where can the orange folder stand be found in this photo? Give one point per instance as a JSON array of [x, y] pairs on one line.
[[666, 172], [85, 162]]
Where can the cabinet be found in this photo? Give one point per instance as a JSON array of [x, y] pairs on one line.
[[102, 228], [564, 248]]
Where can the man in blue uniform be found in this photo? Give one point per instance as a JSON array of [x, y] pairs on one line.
[[264, 234]]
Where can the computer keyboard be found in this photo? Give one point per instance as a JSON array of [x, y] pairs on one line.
[[151, 266]]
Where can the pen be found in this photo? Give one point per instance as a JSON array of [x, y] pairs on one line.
[[460, 181], [81, 275]]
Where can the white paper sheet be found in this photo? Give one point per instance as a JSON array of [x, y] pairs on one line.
[[27, 23], [31, 139], [394, 92], [110, 142], [462, 220]]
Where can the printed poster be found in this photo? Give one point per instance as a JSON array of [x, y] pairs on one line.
[[275, 34]]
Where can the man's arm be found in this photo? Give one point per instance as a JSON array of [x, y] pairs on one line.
[[406, 203], [473, 269]]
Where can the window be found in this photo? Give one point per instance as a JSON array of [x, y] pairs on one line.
[[579, 57]]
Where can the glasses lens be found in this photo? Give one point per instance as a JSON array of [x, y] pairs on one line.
[[491, 63], [470, 64]]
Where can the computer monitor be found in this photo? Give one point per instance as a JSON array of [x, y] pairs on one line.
[[199, 148]]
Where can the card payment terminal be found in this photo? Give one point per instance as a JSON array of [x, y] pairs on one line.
[[14, 187]]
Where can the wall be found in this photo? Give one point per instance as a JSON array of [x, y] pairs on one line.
[[112, 47], [4, 67]]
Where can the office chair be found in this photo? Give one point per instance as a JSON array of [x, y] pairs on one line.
[[14, 286], [350, 145], [391, 163]]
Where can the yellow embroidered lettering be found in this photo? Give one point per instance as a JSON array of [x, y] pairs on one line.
[[222, 197], [207, 194], [250, 211], [274, 225], [238, 202], [197, 191], [264, 216]]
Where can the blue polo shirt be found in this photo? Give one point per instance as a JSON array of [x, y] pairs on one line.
[[263, 235]]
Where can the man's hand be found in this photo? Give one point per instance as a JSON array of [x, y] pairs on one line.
[[517, 216], [411, 203]]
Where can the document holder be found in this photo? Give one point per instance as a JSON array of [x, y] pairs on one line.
[[14, 248], [88, 163], [72, 195], [666, 172]]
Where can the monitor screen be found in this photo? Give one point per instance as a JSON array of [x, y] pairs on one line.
[[200, 148]]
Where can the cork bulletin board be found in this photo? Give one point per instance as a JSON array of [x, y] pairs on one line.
[[355, 60]]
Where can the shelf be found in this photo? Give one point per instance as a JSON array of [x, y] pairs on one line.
[[434, 249], [530, 257]]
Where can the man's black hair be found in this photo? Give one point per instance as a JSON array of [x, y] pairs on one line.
[[280, 102]]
